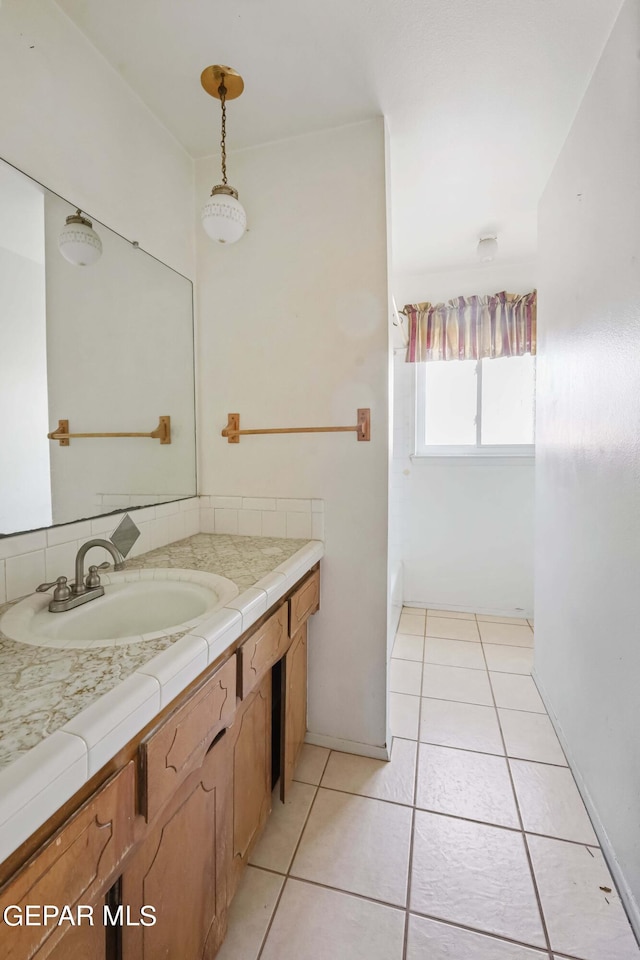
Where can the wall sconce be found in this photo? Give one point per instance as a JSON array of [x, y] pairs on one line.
[[78, 242], [487, 248], [223, 216]]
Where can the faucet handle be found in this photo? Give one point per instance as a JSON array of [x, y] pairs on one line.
[[61, 592], [93, 577]]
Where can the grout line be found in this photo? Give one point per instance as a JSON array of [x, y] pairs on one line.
[[470, 703], [524, 836], [487, 753], [414, 798], [489, 934], [293, 856]]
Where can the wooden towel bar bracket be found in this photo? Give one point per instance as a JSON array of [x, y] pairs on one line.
[[362, 429], [161, 433]]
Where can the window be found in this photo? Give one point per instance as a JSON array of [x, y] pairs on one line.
[[476, 407]]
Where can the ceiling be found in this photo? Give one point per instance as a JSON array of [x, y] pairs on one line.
[[478, 94]]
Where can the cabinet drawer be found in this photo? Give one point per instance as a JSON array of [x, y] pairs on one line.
[[74, 867], [304, 602], [262, 649], [178, 746]]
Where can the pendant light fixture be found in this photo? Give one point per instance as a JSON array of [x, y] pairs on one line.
[[78, 242], [487, 248], [223, 216]]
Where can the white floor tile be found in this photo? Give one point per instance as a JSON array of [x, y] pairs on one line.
[[530, 736], [415, 611], [408, 647], [431, 940], [583, 920], [454, 629], [453, 653], [405, 676], [358, 845], [454, 614], [249, 914], [316, 924], [507, 633], [456, 683], [550, 802], [380, 779], [411, 625], [464, 725], [311, 763], [514, 692], [504, 659], [276, 846], [464, 784], [519, 621], [404, 712], [474, 875]]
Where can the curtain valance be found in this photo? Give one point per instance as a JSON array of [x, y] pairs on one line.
[[470, 328]]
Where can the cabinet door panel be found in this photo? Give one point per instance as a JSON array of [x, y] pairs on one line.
[[294, 708], [83, 942], [251, 742], [262, 649], [74, 866], [304, 602], [178, 745], [181, 869]]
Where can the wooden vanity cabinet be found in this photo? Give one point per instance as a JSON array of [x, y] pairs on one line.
[[174, 827]]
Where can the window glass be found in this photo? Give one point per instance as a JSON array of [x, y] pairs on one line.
[[450, 402], [507, 403]]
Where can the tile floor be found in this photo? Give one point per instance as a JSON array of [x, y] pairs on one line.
[[472, 843]]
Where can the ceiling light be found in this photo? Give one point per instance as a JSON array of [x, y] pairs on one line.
[[78, 242], [487, 248], [223, 216]]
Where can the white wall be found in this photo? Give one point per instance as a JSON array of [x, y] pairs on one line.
[[293, 332], [69, 120], [465, 526], [588, 466]]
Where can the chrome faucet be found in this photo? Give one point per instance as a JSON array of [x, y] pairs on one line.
[[67, 596], [118, 564]]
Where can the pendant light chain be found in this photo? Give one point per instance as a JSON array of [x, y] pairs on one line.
[[222, 90]]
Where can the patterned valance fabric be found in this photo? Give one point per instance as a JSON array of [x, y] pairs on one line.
[[470, 328]]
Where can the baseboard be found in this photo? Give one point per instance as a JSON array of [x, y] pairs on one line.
[[630, 903], [519, 612], [348, 746]]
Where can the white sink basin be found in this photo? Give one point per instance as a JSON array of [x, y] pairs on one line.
[[137, 605]]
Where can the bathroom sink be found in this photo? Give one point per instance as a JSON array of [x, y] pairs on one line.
[[137, 605]]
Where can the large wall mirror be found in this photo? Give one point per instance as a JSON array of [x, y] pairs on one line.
[[106, 347]]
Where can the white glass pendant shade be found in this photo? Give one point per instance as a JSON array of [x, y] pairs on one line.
[[223, 216], [78, 242], [487, 249]]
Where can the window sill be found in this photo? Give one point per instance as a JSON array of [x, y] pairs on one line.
[[479, 459]]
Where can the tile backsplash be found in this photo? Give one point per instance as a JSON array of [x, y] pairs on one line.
[[263, 517], [43, 555]]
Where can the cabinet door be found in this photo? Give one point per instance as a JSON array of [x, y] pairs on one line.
[[83, 942], [251, 745], [75, 867], [294, 707], [181, 869]]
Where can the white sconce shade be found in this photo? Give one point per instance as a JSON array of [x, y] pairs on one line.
[[223, 216], [487, 248], [78, 242]]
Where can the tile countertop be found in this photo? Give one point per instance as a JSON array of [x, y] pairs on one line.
[[64, 713]]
